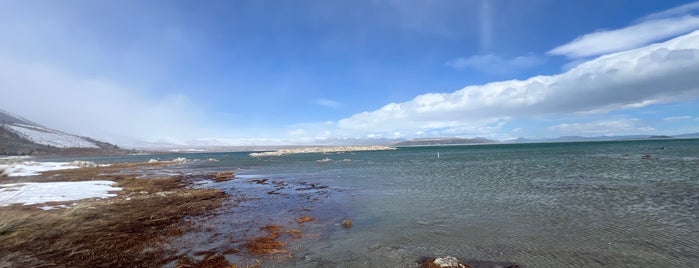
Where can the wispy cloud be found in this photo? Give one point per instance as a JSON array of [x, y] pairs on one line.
[[691, 8], [491, 63], [677, 118], [604, 127], [328, 103], [656, 73], [655, 27], [486, 24]]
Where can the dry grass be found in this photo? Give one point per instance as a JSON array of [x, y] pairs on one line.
[[210, 261], [224, 176], [270, 243], [305, 219], [126, 231]]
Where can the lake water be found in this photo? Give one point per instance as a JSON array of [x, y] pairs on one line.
[[592, 204]]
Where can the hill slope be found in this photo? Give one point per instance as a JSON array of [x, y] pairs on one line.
[[19, 136]]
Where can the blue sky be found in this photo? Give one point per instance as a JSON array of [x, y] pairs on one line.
[[277, 72]]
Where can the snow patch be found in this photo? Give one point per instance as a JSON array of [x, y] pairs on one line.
[[50, 137], [31, 168], [30, 193]]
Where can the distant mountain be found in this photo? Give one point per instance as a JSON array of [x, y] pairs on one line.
[[687, 136], [603, 138], [442, 141], [19, 136]]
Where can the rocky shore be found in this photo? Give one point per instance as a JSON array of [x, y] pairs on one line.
[[324, 150], [151, 220]]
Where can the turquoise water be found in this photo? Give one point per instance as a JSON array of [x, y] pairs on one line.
[[594, 204]]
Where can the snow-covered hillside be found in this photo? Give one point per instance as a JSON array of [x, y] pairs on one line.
[[19, 136], [50, 137]]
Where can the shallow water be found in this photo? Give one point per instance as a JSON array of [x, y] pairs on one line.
[[589, 204]]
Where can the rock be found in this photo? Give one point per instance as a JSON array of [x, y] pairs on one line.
[[448, 262], [179, 160], [346, 223], [151, 161]]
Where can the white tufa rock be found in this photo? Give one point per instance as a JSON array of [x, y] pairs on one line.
[[323, 150], [151, 161], [448, 262], [324, 160], [83, 164]]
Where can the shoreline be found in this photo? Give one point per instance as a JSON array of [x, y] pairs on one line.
[[152, 221], [323, 150], [128, 229], [194, 219]]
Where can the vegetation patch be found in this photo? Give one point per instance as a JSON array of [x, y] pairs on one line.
[[126, 231]]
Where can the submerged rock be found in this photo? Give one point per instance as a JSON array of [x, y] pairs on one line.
[[305, 219], [449, 262], [445, 262]]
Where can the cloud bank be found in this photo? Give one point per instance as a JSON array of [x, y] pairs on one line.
[[656, 73]]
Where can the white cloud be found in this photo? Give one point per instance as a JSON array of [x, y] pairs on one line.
[[328, 103], [655, 27], [491, 63], [605, 127], [656, 73]]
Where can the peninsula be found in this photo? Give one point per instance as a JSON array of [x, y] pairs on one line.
[[305, 150]]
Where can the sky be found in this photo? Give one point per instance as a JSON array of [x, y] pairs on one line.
[[194, 73]]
